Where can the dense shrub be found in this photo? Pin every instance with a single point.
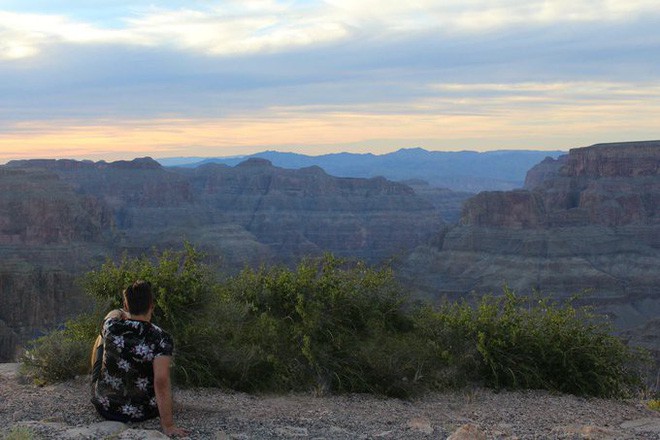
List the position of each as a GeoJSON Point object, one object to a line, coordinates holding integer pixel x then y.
{"type": "Point", "coordinates": [328, 325]}
{"type": "Point", "coordinates": [529, 342]}
{"type": "Point", "coordinates": [515, 341]}
{"type": "Point", "coordinates": [55, 357]}
{"type": "Point", "coordinates": [333, 326]}
{"type": "Point", "coordinates": [61, 354]}
{"type": "Point", "coordinates": [183, 288]}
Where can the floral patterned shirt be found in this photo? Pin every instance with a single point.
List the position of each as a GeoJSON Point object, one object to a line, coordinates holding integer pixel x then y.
{"type": "Point", "coordinates": [126, 384]}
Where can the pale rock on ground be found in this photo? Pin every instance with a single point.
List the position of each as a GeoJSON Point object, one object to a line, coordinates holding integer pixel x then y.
{"type": "Point", "coordinates": [63, 411]}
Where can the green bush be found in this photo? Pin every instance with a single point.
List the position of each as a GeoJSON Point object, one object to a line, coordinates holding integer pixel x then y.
{"type": "Point", "coordinates": [526, 342]}
{"type": "Point", "coordinates": [183, 288]}
{"type": "Point", "coordinates": [63, 353]}
{"type": "Point", "coordinates": [55, 357]}
{"type": "Point", "coordinates": [331, 326]}
{"type": "Point", "coordinates": [316, 327]}
{"type": "Point", "coordinates": [447, 332]}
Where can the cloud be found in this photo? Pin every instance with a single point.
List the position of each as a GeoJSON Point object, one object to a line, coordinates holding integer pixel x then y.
{"type": "Point", "coordinates": [238, 28]}
{"type": "Point", "coordinates": [240, 74]}
{"type": "Point", "coordinates": [229, 28]}
{"type": "Point", "coordinates": [452, 116]}
{"type": "Point", "coordinates": [25, 35]}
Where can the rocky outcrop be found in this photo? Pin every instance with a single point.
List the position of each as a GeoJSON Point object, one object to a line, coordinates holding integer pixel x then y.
{"type": "Point", "coordinates": [307, 211]}
{"type": "Point", "coordinates": [607, 184]}
{"type": "Point", "coordinates": [60, 218]}
{"type": "Point", "coordinates": [48, 234]}
{"type": "Point", "coordinates": [468, 432]}
{"type": "Point", "coordinates": [448, 203]}
{"type": "Point", "coordinates": [38, 208]}
{"type": "Point", "coordinates": [544, 171]}
{"type": "Point", "coordinates": [588, 223]}
{"type": "Point", "coordinates": [629, 159]}
{"type": "Point", "coordinates": [514, 209]}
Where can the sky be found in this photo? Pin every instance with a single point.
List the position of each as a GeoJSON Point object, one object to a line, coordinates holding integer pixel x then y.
{"type": "Point", "coordinates": [115, 79]}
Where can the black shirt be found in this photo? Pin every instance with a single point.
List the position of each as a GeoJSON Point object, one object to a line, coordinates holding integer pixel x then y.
{"type": "Point", "coordinates": [125, 387]}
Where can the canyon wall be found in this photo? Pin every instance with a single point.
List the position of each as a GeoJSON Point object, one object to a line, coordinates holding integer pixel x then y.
{"type": "Point", "coordinates": [586, 223]}
{"type": "Point", "coordinates": [61, 218]}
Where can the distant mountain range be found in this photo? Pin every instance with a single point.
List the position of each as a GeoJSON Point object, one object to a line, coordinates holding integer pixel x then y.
{"type": "Point", "coordinates": [467, 171]}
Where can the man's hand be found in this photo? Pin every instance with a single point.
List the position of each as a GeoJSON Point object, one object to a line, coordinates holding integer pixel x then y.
{"type": "Point", "coordinates": [163, 389]}
{"type": "Point", "coordinates": [174, 431]}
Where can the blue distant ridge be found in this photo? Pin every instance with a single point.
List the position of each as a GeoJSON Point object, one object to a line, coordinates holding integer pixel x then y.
{"type": "Point", "coordinates": [458, 170]}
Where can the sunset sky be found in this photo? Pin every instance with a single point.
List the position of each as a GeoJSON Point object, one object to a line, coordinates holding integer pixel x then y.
{"type": "Point", "coordinates": [115, 79]}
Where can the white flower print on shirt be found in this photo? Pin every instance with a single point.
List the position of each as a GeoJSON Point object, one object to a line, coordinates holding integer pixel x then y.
{"type": "Point", "coordinates": [131, 411]}
{"type": "Point", "coordinates": [113, 382]}
{"type": "Point", "coordinates": [144, 351]}
{"type": "Point", "coordinates": [142, 383]}
{"type": "Point", "coordinates": [124, 365]}
{"type": "Point", "coordinates": [106, 325]}
{"type": "Point", "coordinates": [104, 401]}
{"type": "Point", "coordinates": [126, 380]}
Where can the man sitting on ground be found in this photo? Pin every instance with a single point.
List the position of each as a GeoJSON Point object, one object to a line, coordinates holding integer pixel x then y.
{"type": "Point", "coordinates": [131, 364]}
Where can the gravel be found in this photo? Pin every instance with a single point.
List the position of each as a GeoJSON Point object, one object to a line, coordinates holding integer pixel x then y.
{"type": "Point", "coordinates": [53, 410]}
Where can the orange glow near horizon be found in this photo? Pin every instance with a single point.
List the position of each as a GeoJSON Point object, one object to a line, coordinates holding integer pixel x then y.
{"type": "Point", "coordinates": [320, 133]}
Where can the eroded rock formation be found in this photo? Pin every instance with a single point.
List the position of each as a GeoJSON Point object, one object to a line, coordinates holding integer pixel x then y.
{"type": "Point", "coordinates": [60, 218]}
{"type": "Point", "coordinates": [586, 222]}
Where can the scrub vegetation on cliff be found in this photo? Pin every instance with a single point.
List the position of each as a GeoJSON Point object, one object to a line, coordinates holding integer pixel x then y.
{"type": "Point", "coordinates": [331, 326]}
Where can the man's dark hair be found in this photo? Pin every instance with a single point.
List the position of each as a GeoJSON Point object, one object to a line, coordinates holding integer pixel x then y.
{"type": "Point", "coordinates": [138, 297]}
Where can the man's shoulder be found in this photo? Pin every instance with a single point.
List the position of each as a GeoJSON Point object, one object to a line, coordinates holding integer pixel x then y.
{"type": "Point", "coordinates": [111, 322]}
{"type": "Point", "coordinates": [122, 326]}
{"type": "Point", "coordinates": [159, 331]}
{"type": "Point", "coordinates": [162, 340]}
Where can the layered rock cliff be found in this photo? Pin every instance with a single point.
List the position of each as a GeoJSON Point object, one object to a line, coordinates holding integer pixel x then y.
{"type": "Point", "coordinates": [587, 222]}
{"type": "Point", "coordinates": [297, 212]}
{"type": "Point", "coordinates": [60, 218]}
{"type": "Point", "coordinates": [47, 234]}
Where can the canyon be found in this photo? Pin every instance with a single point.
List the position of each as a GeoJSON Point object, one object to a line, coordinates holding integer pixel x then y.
{"type": "Point", "coordinates": [586, 223]}
{"type": "Point", "coordinates": [61, 218]}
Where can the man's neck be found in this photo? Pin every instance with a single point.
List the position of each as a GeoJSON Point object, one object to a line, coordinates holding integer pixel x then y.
{"type": "Point", "coordinates": [146, 317]}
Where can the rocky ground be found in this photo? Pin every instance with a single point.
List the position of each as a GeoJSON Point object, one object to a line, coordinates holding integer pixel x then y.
{"type": "Point", "coordinates": [64, 411]}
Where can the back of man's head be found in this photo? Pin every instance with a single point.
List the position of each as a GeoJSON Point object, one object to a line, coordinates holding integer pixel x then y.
{"type": "Point", "coordinates": [138, 297]}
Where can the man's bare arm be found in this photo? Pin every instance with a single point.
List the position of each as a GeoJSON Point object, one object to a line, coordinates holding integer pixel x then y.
{"type": "Point", "coordinates": [116, 314]}
{"type": "Point", "coordinates": [163, 389]}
